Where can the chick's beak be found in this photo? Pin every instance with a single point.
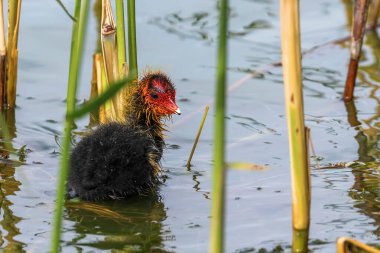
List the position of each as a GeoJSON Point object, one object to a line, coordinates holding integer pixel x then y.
{"type": "Point", "coordinates": [174, 107]}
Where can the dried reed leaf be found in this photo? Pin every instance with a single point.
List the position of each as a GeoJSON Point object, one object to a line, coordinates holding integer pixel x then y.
{"type": "Point", "coordinates": [110, 56]}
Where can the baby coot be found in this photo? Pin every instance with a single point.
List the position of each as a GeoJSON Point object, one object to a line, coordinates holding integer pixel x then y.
{"type": "Point", "coordinates": [120, 159]}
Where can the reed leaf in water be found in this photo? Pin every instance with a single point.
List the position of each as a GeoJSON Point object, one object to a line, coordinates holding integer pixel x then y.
{"type": "Point", "coordinates": [291, 61]}
{"type": "Point", "coordinates": [218, 189]}
{"type": "Point", "coordinates": [14, 8]}
{"type": "Point", "coordinates": [80, 14]}
{"type": "Point", "coordinates": [132, 46]}
{"type": "Point", "coordinates": [3, 53]}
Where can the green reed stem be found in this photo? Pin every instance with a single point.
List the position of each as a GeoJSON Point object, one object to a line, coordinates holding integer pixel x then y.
{"type": "Point", "coordinates": [77, 39]}
{"type": "Point", "coordinates": [218, 192]}
{"type": "Point", "coordinates": [132, 46]}
{"type": "Point", "coordinates": [120, 35]}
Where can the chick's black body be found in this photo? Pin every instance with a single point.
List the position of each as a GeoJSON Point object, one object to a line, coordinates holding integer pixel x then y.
{"type": "Point", "coordinates": [121, 159]}
{"type": "Point", "coordinates": [114, 161]}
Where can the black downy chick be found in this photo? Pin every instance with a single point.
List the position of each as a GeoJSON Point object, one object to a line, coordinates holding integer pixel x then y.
{"type": "Point", "coordinates": [118, 160]}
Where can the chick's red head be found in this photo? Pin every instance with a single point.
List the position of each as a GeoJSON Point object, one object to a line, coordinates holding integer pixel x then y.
{"type": "Point", "coordinates": [159, 93]}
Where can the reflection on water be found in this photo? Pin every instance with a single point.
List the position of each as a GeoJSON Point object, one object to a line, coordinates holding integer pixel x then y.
{"type": "Point", "coordinates": [10, 160]}
{"type": "Point", "coordinates": [131, 225]}
{"type": "Point", "coordinates": [365, 190]}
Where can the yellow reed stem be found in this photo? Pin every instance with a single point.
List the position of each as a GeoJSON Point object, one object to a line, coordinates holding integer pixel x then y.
{"type": "Point", "coordinates": [197, 137]}
{"type": "Point", "coordinates": [94, 116]}
{"type": "Point", "coordinates": [14, 8]}
{"type": "Point", "coordinates": [99, 82]}
{"type": "Point", "coordinates": [3, 53]}
{"type": "Point", "coordinates": [291, 61]}
{"type": "Point", "coordinates": [109, 107]}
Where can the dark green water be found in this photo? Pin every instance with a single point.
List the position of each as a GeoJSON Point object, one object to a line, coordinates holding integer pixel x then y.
{"type": "Point", "coordinates": [179, 37]}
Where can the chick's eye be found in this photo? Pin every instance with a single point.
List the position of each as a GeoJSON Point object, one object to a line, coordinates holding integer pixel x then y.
{"type": "Point", "coordinates": [154, 95]}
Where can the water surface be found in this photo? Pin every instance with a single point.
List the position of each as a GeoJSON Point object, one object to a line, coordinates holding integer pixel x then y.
{"type": "Point", "coordinates": [179, 37]}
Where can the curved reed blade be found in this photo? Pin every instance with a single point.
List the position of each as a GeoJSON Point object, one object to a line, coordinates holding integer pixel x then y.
{"type": "Point", "coordinates": [346, 245]}
{"type": "Point", "coordinates": [14, 8]}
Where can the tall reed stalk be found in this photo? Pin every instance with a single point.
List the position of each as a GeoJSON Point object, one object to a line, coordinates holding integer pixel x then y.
{"type": "Point", "coordinates": [358, 31]}
{"type": "Point", "coordinates": [14, 8]}
{"type": "Point", "coordinates": [291, 61]}
{"type": "Point", "coordinates": [3, 53]}
{"type": "Point", "coordinates": [78, 31]}
{"type": "Point", "coordinates": [218, 189]}
{"type": "Point", "coordinates": [132, 46]}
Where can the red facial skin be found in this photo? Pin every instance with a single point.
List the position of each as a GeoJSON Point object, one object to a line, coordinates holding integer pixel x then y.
{"type": "Point", "coordinates": [161, 97]}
